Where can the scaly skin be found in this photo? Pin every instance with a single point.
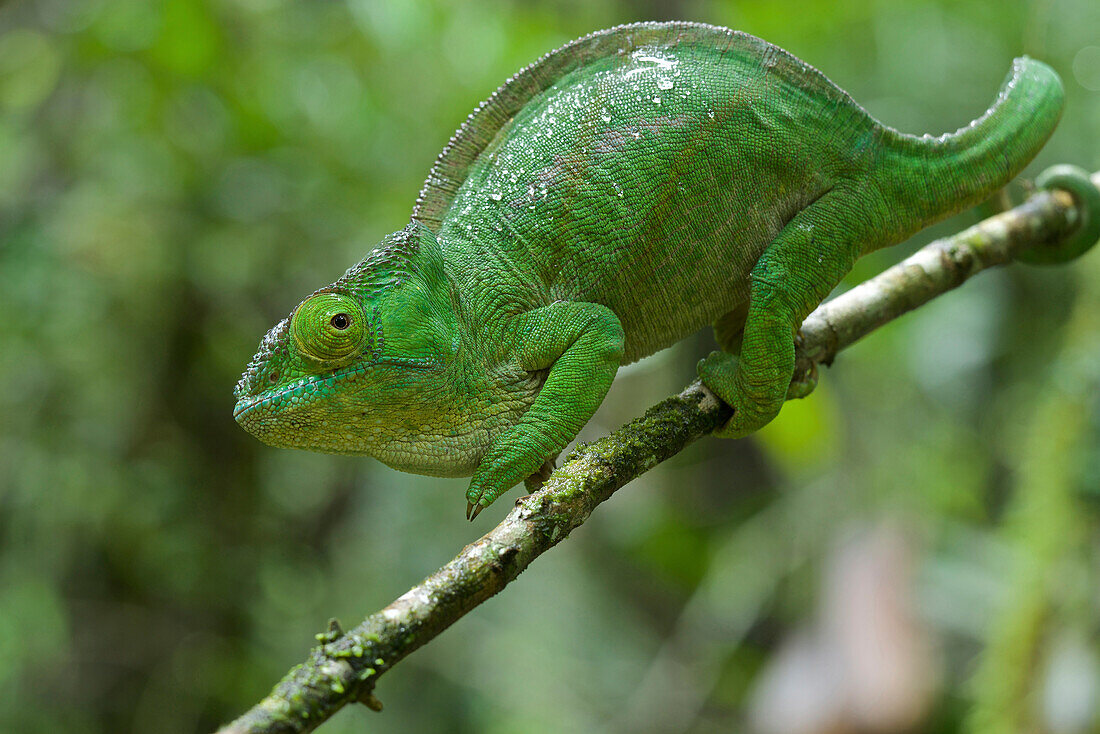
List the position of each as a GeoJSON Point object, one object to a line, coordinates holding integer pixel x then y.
{"type": "Point", "coordinates": [606, 202]}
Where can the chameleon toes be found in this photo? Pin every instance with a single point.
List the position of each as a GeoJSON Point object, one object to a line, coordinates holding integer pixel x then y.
{"type": "Point", "coordinates": [805, 373]}
{"type": "Point", "coordinates": [718, 372]}
{"type": "Point", "coordinates": [804, 382]}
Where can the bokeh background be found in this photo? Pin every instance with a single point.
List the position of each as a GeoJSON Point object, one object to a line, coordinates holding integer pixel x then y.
{"type": "Point", "coordinates": [915, 547]}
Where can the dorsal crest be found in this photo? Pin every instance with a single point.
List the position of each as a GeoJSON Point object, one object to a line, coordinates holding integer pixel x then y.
{"type": "Point", "coordinates": [479, 129]}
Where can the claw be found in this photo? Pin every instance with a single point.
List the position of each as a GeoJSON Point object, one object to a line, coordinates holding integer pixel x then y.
{"type": "Point", "coordinates": [469, 510]}
{"type": "Point", "coordinates": [476, 511]}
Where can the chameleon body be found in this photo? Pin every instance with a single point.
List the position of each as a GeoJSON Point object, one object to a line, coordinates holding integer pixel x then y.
{"type": "Point", "coordinates": [607, 201]}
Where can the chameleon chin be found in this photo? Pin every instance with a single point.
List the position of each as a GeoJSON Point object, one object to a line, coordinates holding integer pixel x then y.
{"type": "Point", "coordinates": [607, 201]}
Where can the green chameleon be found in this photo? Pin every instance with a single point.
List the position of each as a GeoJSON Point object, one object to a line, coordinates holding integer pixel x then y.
{"type": "Point", "coordinates": [607, 201]}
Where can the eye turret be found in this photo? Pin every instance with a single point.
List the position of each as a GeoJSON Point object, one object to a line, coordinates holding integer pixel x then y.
{"type": "Point", "coordinates": [330, 329]}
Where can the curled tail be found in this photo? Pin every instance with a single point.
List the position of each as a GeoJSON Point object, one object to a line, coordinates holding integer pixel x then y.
{"type": "Point", "coordinates": [928, 178]}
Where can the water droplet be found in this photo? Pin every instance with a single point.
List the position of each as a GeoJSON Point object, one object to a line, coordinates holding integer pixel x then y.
{"type": "Point", "coordinates": [618, 189]}
{"type": "Point", "coordinates": [606, 116]}
{"type": "Point", "coordinates": [710, 114]}
{"type": "Point", "coordinates": [496, 196]}
{"type": "Point", "coordinates": [656, 100]}
{"type": "Point", "coordinates": [663, 83]}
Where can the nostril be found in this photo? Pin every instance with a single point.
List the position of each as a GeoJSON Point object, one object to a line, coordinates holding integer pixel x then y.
{"type": "Point", "coordinates": [273, 377]}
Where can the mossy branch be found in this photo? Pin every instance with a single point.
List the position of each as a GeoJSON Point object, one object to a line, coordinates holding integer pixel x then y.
{"type": "Point", "coordinates": [346, 666]}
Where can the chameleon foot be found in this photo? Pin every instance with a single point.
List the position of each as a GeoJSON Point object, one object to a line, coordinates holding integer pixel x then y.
{"type": "Point", "coordinates": [532, 483]}
{"type": "Point", "coordinates": [718, 371]}
{"type": "Point", "coordinates": [805, 372]}
{"type": "Point", "coordinates": [803, 383]}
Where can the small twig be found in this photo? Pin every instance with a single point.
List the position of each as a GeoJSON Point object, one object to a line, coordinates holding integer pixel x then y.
{"type": "Point", "coordinates": [346, 666]}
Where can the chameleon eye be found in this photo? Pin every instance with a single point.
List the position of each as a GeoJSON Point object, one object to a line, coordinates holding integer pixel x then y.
{"type": "Point", "coordinates": [329, 329]}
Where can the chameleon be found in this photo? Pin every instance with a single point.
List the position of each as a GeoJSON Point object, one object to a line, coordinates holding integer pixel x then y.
{"type": "Point", "coordinates": [610, 199]}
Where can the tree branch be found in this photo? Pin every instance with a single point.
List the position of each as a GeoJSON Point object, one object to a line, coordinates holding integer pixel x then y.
{"type": "Point", "coordinates": [346, 666]}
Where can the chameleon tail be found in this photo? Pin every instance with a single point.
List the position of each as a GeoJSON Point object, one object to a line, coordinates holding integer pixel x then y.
{"type": "Point", "coordinates": [929, 178]}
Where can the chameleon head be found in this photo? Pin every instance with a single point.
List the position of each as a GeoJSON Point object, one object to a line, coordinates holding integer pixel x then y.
{"type": "Point", "coordinates": [367, 366]}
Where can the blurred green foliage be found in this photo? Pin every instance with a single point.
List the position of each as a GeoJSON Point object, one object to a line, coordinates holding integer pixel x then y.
{"type": "Point", "coordinates": [176, 175]}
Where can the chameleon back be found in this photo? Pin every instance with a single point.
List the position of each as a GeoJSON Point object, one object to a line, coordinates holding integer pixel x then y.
{"type": "Point", "coordinates": [646, 168]}
{"type": "Point", "coordinates": [650, 178]}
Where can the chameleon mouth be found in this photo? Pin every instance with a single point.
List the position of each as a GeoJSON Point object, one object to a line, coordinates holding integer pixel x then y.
{"type": "Point", "coordinates": [248, 406]}
{"type": "Point", "coordinates": [300, 392]}
{"type": "Point", "coordinates": [244, 405]}
{"type": "Point", "coordinates": [303, 391]}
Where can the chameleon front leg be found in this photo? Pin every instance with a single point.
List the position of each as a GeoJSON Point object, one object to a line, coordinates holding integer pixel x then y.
{"type": "Point", "coordinates": [793, 275]}
{"type": "Point", "coordinates": [582, 345]}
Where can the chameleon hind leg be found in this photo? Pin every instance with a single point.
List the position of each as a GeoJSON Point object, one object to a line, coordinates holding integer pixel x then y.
{"type": "Point", "coordinates": [794, 274]}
